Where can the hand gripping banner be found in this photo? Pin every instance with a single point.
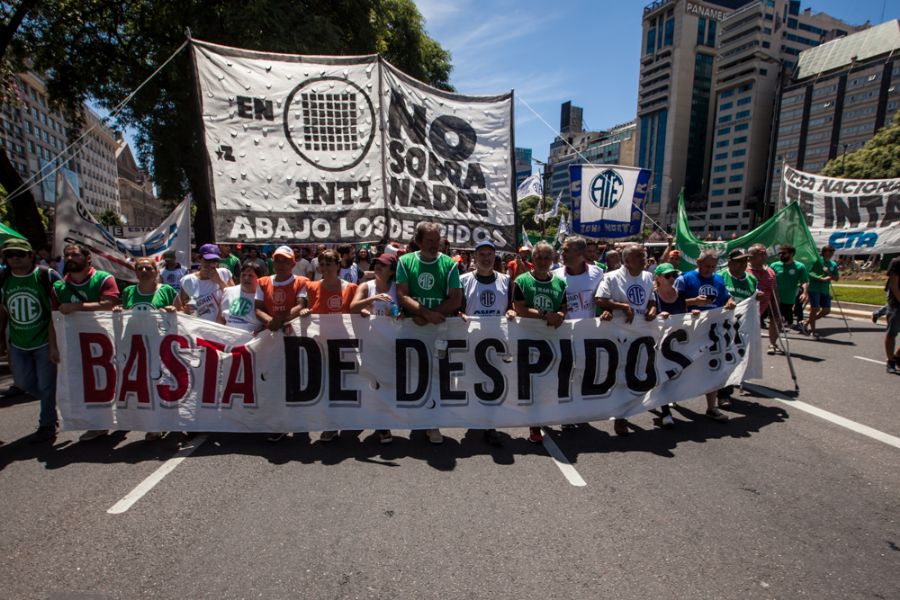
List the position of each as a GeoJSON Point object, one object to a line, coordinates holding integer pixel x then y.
{"type": "Point", "coordinates": [154, 371]}
{"type": "Point", "coordinates": [316, 148]}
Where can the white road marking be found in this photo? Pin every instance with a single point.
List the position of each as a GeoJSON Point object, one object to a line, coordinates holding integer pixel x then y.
{"type": "Point", "coordinates": [155, 477]}
{"type": "Point", "coordinates": [871, 360]}
{"type": "Point", "coordinates": [865, 430]}
{"type": "Point", "coordinates": [562, 462]}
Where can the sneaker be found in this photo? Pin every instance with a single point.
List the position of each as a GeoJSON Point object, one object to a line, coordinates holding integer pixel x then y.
{"type": "Point", "coordinates": [152, 436]}
{"type": "Point", "coordinates": [772, 349]}
{"type": "Point", "coordinates": [44, 433]}
{"type": "Point", "coordinates": [92, 434]}
{"type": "Point", "coordinates": [667, 421]}
{"type": "Point", "coordinates": [620, 426]}
{"type": "Point", "coordinates": [384, 436]}
{"type": "Point", "coordinates": [434, 436]}
{"type": "Point", "coordinates": [276, 437]}
{"type": "Point", "coordinates": [492, 437]}
{"type": "Point", "coordinates": [892, 368]}
{"type": "Point", "coordinates": [724, 402]}
{"type": "Point", "coordinates": [716, 415]}
{"type": "Point", "coordinates": [874, 316]}
{"type": "Point", "coordinates": [535, 436]}
{"type": "Point", "coordinates": [327, 436]}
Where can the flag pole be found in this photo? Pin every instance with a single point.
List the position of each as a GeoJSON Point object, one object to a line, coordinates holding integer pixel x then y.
{"type": "Point", "coordinates": [841, 308]}
{"type": "Point", "coordinates": [784, 342]}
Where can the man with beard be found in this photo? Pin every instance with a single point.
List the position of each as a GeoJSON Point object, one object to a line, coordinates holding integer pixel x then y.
{"type": "Point", "coordinates": [84, 288]}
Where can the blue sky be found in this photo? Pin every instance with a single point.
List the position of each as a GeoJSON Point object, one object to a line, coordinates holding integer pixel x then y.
{"type": "Point", "coordinates": [586, 51]}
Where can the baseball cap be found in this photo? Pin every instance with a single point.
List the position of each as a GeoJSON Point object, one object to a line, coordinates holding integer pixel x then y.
{"type": "Point", "coordinates": [284, 251]}
{"type": "Point", "coordinates": [738, 254]}
{"type": "Point", "coordinates": [209, 252]}
{"type": "Point", "coordinates": [387, 259]}
{"type": "Point", "coordinates": [15, 243]}
{"type": "Point", "coordinates": [665, 269]}
{"type": "Point", "coordinates": [524, 249]}
{"type": "Point", "coordinates": [484, 243]}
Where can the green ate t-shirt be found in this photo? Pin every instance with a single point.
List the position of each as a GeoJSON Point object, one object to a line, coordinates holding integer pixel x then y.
{"type": "Point", "coordinates": [429, 281]}
{"type": "Point", "coordinates": [28, 308]}
{"type": "Point", "coordinates": [823, 269]}
{"type": "Point", "coordinates": [788, 278]}
{"type": "Point", "coordinates": [547, 296]}
{"type": "Point", "coordinates": [133, 299]}
{"type": "Point", "coordinates": [89, 289]}
{"type": "Point", "coordinates": [740, 289]}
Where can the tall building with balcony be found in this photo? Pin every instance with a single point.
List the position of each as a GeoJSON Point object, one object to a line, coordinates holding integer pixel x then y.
{"type": "Point", "coordinates": [675, 98]}
{"type": "Point", "coordinates": [758, 46]}
{"type": "Point", "coordinates": [137, 201]}
{"type": "Point", "coordinates": [839, 95]}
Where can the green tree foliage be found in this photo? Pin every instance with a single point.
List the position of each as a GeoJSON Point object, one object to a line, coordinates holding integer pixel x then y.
{"type": "Point", "coordinates": [879, 158]}
{"type": "Point", "coordinates": [527, 209]}
{"type": "Point", "coordinates": [109, 218]}
{"type": "Point", "coordinates": [6, 217]}
{"type": "Point", "coordinates": [104, 49]}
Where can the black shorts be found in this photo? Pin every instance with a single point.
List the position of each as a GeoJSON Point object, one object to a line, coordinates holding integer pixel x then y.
{"type": "Point", "coordinates": [787, 312]}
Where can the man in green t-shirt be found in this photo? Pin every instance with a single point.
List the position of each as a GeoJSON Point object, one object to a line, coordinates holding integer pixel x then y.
{"type": "Point", "coordinates": [84, 289]}
{"type": "Point", "coordinates": [790, 276]}
{"type": "Point", "coordinates": [539, 294]}
{"type": "Point", "coordinates": [230, 261]}
{"type": "Point", "coordinates": [741, 284]}
{"type": "Point", "coordinates": [428, 287]}
{"type": "Point", "coordinates": [25, 311]}
{"type": "Point", "coordinates": [821, 274]}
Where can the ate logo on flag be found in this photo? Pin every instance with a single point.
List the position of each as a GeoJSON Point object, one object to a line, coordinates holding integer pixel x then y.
{"type": "Point", "coordinates": [606, 189]}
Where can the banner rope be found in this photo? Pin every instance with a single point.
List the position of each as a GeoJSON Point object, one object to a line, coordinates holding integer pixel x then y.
{"type": "Point", "coordinates": [583, 157]}
{"type": "Point", "coordinates": [78, 142]}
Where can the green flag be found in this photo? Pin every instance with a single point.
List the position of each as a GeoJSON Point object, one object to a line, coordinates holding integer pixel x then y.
{"type": "Point", "coordinates": [787, 226]}
{"type": "Point", "coordinates": [7, 232]}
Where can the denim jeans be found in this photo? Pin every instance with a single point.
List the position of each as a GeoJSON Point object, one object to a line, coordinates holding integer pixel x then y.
{"type": "Point", "coordinates": [34, 373]}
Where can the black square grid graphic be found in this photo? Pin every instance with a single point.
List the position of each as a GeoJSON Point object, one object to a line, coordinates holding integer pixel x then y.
{"type": "Point", "coordinates": [329, 121]}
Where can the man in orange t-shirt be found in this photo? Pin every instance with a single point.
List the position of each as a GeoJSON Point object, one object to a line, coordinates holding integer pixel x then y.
{"type": "Point", "coordinates": [279, 297]}
{"type": "Point", "coordinates": [519, 265]}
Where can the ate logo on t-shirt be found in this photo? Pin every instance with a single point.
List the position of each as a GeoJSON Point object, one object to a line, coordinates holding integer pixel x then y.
{"type": "Point", "coordinates": [487, 298]}
{"type": "Point", "coordinates": [543, 302]}
{"type": "Point", "coordinates": [710, 292]}
{"type": "Point", "coordinates": [426, 281]}
{"type": "Point", "coordinates": [334, 303]}
{"type": "Point", "coordinates": [24, 307]}
{"type": "Point", "coordinates": [278, 296]}
{"type": "Point", "coordinates": [792, 272]}
{"type": "Point", "coordinates": [636, 295]}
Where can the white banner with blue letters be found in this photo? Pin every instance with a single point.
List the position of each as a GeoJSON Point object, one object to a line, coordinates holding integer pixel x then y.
{"type": "Point", "coordinates": [607, 199]}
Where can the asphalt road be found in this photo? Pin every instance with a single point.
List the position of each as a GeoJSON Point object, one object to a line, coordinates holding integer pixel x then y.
{"type": "Point", "coordinates": [777, 503]}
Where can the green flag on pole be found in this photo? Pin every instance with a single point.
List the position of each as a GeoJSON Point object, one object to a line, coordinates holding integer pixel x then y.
{"type": "Point", "coordinates": [7, 232]}
{"type": "Point", "coordinates": [787, 226]}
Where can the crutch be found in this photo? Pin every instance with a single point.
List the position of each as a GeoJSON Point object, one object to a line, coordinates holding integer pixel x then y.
{"type": "Point", "coordinates": [784, 342]}
{"type": "Point", "coordinates": [840, 308]}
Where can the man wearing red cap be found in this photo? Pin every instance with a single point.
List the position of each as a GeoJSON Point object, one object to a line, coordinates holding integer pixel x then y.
{"type": "Point", "coordinates": [278, 297]}
{"type": "Point", "coordinates": [519, 264]}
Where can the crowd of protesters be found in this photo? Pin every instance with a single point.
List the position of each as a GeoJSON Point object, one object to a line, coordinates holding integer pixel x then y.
{"type": "Point", "coordinates": [423, 281]}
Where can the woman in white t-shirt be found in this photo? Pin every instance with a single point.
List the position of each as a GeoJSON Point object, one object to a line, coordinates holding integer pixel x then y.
{"type": "Point", "coordinates": [238, 301]}
{"type": "Point", "coordinates": [378, 298]}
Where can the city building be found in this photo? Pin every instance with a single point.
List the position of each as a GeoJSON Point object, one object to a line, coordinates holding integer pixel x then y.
{"type": "Point", "coordinates": [523, 165]}
{"type": "Point", "coordinates": [35, 137]}
{"type": "Point", "coordinates": [615, 146]}
{"type": "Point", "coordinates": [138, 204]}
{"type": "Point", "coordinates": [840, 94]}
{"type": "Point", "coordinates": [675, 92]}
{"type": "Point", "coordinates": [758, 46]}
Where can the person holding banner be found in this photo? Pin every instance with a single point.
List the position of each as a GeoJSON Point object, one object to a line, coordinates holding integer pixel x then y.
{"type": "Point", "coordinates": [25, 304]}
{"type": "Point", "coordinates": [280, 297]}
{"type": "Point", "coordinates": [539, 294]}
{"type": "Point", "coordinates": [201, 292]}
{"type": "Point", "coordinates": [239, 301]}
{"type": "Point", "coordinates": [705, 289]}
{"type": "Point", "coordinates": [378, 297]}
{"type": "Point", "coordinates": [823, 272]}
{"type": "Point", "coordinates": [428, 286]}
{"type": "Point", "coordinates": [630, 290]}
{"type": "Point", "coordinates": [329, 295]}
{"type": "Point", "coordinates": [148, 293]}
{"type": "Point", "coordinates": [741, 285]}
{"type": "Point", "coordinates": [84, 289]}
{"type": "Point", "coordinates": [791, 281]}
{"type": "Point", "coordinates": [486, 294]}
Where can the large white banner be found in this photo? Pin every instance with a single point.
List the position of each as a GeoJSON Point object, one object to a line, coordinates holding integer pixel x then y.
{"type": "Point", "coordinates": [313, 148]}
{"type": "Point", "coordinates": [148, 371]}
{"type": "Point", "coordinates": [856, 216]}
{"type": "Point", "coordinates": [76, 225]}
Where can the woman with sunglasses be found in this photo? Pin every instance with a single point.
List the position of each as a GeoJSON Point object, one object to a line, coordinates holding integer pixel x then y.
{"type": "Point", "coordinates": [669, 301]}
{"type": "Point", "coordinates": [148, 294]}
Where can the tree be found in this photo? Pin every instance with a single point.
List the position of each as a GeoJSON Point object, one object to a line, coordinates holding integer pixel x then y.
{"type": "Point", "coordinates": [6, 218]}
{"type": "Point", "coordinates": [104, 49]}
{"type": "Point", "coordinates": [879, 158]}
{"type": "Point", "coordinates": [527, 209]}
{"type": "Point", "coordinates": [109, 218]}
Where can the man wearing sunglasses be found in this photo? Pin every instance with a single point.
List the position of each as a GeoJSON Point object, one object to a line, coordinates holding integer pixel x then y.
{"type": "Point", "coordinates": [25, 309]}
{"type": "Point", "coordinates": [84, 288]}
{"type": "Point", "coordinates": [790, 276]}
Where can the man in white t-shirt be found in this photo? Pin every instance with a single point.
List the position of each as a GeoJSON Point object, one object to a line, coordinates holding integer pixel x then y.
{"type": "Point", "coordinates": [630, 290]}
{"type": "Point", "coordinates": [314, 263]}
{"type": "Point", "coordinates": [303, 267]}
{"type": "Point", "coordinates": [201, 292]}
{"type": "Point", "coordinates": [172, 271]}
{"type": "Point", "coordinates": [582, 279]}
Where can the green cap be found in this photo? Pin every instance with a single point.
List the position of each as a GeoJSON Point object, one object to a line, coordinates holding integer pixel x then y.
{"type": "Point", "coordinates": [664, 269]}
{"type": "Point", "coordinates": [15, 243]}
